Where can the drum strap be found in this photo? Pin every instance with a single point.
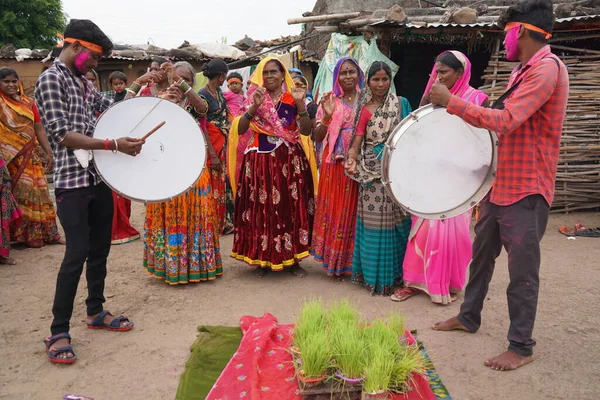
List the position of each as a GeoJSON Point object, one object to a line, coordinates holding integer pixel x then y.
{"type": "Point", "coordinates": [499, 104]}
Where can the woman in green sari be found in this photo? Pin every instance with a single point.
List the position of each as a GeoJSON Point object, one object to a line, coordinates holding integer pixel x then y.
{"type": "Point", "coordinates": [382, 227]}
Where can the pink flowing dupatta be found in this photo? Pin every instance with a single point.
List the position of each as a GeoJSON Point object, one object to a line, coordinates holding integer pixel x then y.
{"type": "Point", "coordinates": [461, 88]}
{"type": "Point", "coordinates": [333, 131]}
{"type": "Point", "coordinates": [439, 252]}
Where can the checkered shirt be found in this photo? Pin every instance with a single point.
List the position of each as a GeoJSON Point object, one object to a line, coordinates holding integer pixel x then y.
{"type": "Point", "coordinates": [110, 94]}
{"type": "Point", "coordinates": [65, 108]}
{"type": "Point", "coordinates": [529, 128]}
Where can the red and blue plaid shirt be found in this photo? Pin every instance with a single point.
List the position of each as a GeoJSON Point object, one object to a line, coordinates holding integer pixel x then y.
{"type": "Point", "coordinates": [529, 128]}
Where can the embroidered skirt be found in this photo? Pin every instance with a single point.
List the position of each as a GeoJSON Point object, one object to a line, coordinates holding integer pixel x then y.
{"type": "Point", "coordinates": [274, 208]}
{"type": "Point", "coordinates": [181, 241]}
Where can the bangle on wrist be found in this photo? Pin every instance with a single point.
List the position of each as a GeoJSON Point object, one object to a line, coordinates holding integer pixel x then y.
{"type": "Point", "coordinates": [325, 124]}
{"type": "Point", "coordinates": [135, 88]}
{"type": "Point", "coordinates": [183, 85]}
{"type": "Point", "coordinates": [116, 146]}
{"type": "Point", "coordinates": [248, 116]}
{"type": "Point", "coordinates": [106, 144]}
{"type": "Point", "coordinates": [302, 114]}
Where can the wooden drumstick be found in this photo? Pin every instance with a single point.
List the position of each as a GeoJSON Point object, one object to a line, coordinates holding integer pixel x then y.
{"type": "Point", "coordinates": [157, 127]}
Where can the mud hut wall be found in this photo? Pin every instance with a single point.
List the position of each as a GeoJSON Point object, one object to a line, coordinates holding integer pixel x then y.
{"type": "Point", "coordinates": [28, 70]}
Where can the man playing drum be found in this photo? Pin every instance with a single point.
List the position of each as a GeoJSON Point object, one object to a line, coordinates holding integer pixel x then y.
{"type": "Point", "coordinates": [69, 105]}
{"type": "Point", "coordinates": [528, 120]}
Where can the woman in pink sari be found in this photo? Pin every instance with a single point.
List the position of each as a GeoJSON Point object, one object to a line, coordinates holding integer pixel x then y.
{"type": "Point", "coordinates": [439, 252]}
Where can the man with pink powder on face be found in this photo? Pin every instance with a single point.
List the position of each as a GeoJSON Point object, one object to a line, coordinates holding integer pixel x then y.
{"type": "Point", "coordinates": [69, 104]}
{"type": "Point", "coordinates": [528, 119]}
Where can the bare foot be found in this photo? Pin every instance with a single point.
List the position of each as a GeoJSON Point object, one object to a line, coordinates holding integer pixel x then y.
{"type": "Point", "coordinates": [260, 272]}
{"type": "Point", "coordinates": [107, 320]}
{"type": "Point", "coordinates": [298, 271]}
{"type": "Point", "coordinates": [507, 361]}
{"type": "Point", "coordinates": [7, 261]}
{"type": "Point", "coordinates": [339, 279]}
{"type": "Point", "coordinates": [453, 324]}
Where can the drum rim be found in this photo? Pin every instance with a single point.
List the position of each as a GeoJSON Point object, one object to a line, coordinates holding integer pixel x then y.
{"type": "Point", "coordinates": [99, 172]}
{"type": "Point", "coordinates": [471, 202]}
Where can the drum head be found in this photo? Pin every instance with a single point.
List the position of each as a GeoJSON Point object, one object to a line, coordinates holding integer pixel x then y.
{"type": "Point", "coordinates": [170, 162]}
{"type": "Point", "coordinates": [436, 165]}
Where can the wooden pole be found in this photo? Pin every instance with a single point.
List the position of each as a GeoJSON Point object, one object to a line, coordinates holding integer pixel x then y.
{"type": "Point", "coordinates": [320, 18]}
{"type": "Point", "coordinates": [585, 51]}
{"type": "Point", "coordinates": [573, 148]}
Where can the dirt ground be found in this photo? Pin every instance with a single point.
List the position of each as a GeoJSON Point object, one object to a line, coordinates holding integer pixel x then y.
{"type": "Point", "coordinates": [146, 362]}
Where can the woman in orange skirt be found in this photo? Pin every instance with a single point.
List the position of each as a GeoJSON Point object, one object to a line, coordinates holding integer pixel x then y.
{"type": "Point", "coordinates": [335, 217]}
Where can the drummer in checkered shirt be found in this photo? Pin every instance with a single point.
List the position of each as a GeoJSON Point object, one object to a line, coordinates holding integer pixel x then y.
{"type": "Point", "coordinates": [529, 122]}
{"type": "Point", "coordinates": [68, 105]}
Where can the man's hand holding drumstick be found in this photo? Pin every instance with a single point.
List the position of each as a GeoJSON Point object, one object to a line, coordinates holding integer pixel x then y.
{"type": "Point", "coordinates": [133, 146]}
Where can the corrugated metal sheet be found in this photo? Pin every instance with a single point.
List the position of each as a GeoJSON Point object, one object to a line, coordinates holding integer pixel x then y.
{"type": "Point", "coordinates": [476, 24]}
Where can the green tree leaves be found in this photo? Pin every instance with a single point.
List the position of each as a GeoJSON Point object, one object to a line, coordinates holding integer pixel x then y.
{"type": "Point", "coordinates": [31, 23]}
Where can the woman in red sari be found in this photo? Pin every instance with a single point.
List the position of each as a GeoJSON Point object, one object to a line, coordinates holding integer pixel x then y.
{"type": "Point", "coordinates": [333, 235]}
{"type": "Point", "coordinates": [274, 198]}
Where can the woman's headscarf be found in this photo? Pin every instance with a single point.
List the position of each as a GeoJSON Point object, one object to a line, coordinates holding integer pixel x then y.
{"type": "Point", "coordinates": [265, 121]}
{"type": "Point", "coordinates": [23, 107]}
{"type": "Point", "coordinates": [461, 88]}
{"type": "Point", "coordinates": [337, 88]}
{"type": "Point", "coordinates": [337, 119]}
{"type": "Point", "coordinates": [383, 121]}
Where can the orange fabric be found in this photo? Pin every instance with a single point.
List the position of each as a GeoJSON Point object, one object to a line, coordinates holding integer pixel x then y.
{"type": "Point", "coordinates": [23, 108]}
{"type": "Point", "coordinates": [217, 138]}
{"type": "Point", "coordinates": [87, 45]}
{"type": "Point", "coordinates": [534, 28]}
{"type": "Point", "coordinates": [18, 147]}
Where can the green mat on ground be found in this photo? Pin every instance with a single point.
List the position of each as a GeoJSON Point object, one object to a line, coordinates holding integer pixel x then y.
{"type": "Point", "coordinates": [211, 352]}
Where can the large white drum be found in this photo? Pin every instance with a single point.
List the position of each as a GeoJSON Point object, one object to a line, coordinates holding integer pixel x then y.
{"type": "Point", "coordinates": [170, 162]}
{"type": "Point", "coordinates": [437, 166]}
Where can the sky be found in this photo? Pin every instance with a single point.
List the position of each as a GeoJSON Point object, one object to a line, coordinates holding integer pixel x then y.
{"type": "Point", "coordinates": [167, 23]}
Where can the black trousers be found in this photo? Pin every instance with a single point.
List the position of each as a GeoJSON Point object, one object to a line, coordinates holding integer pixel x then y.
{"type": "Point", "coordinates": [86, 216]}
{"type": "Point", "coordinates": [519, 228]}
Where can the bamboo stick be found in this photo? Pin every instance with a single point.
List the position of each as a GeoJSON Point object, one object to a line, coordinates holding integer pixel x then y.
{"type": "Point", "coordinates": [322, 18]}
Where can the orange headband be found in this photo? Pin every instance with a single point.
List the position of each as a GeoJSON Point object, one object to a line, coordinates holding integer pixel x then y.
{"type": "Point", "coordinates": [87, 45]}
{"type": "Point", "coordinates": [234, 79]}
{"type": "Point", "coordinates": [534, 28]}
